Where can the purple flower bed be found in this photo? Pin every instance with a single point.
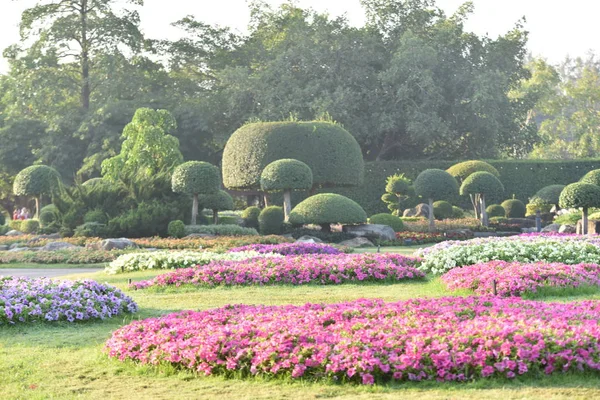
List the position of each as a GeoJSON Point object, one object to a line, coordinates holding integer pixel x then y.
{"type": "Point", "coordinates": [444, 339]}
{"type": "Point", "coordinates": [294, 270]}
{"type": "Point", "coordinates": [286, 249]}
{"type": "Point", "coordinates": [34, 300]}
{"type": "Point", "coordinates": [515, 278]}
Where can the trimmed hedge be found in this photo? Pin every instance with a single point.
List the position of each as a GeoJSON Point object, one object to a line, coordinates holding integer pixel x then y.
{"type": "Point", "coordinates": [514, 208]}
{"type": "Point", "coordinates": [495, 210]}
{"type": "Point", "coordinates": [286, 174]}
{"type": "Point", "coordinates": [176, 229]}
{"type": "Point", "coordinates": [250, 217]}
{"type": "Point", "coordinates": [328, 208]}
{"type": "Point", "coordinates": [220, 230]}
{"type": "Point", "coordinates": [388, 219]}
{"type": "Point", "coordinates": [442, 209]}
{"type": "Point", "coordinates": [270, 220]}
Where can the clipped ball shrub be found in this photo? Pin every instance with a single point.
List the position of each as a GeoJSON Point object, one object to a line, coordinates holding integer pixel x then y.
{"type": "Point", "coordinates": [49, 215]}
{"type": "Point", "coordinates": [435, 184]}
{"type": "Point", "coordinates": [97, 216]}
{"type": "Point", "coordinates": [270, 220]}
{"type": "Point", "coordinates": [176, 229]}
{"type": "Point", "coordinates": [30, 226]}
{"type": "Point", "coordinates": [331, 152]}
{"type": "Point", "coordinates": [548, 195]}
{"type": "Point", "coordinates": [514, 208]}
{"type": "Point", "coordinates": [495, 210]}
{"type": "Point", "coordinates": [328, 208]}
{"type": "Point", "coordinates": [397, 184]}
{"type": "Point", "coordinates": [457, 212]}
{"type": "Point", "coordinates": [228, 220]}
{"type": "Point", "coordinates": [592, 177]}
{"type": "Point", "coordinates": [580, 195]}
{"type": "Point", "coordinates": [482, 183]}
{"type": "Point", "coordinates": [286, 174]}
{"type": "Point", "coordinates": [35, 181]}
{"type": "Point", "coordinates": [442, 209]}
{"type": "Point", "coordinates": [387, 219]}
{"type": "Point", "coordinates": [250, 217]}
{"type": "Point", "coordinates": [220, 201]}
{"type": "Point", "coordinates": [531, 208]}
{"type": "Point", "coordinates": [463, 170]}
{"type": "Point", "coordinates": [194, 177]}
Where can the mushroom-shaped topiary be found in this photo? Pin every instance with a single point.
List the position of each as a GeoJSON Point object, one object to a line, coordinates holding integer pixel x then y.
{"type": "Point", "coordinates": [442, 209]}
{"type": "Point", "coordinates": [548, 195]}
{"type": "Point", "coordinates": [195, 178]}
{"type": "Point", "coordinates": [435, 184]}
{"type": "Point", "coordinates": [580, 195]}
{"type": "Point", "coordinates": [482, 184]}
{"type": "Point", "coordinates": [514, 208]}
{"type": "Point", "coordinates": [328, 208]}
{"type": "Point", "coordinates": [592, 177]}
{"type": "Point", "coordinates": [463, 170]}
{"type": "Point", "coordinates": [36, 181]}
{"type": "Point", "coordinates": [398, 189]}
{"type": "Point", "coordinates": [287, 175]}
{"type": "Point", "coordinates": [216, 202]}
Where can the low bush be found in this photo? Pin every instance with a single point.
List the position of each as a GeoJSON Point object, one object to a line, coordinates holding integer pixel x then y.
{"type": "Point", "coordinates": [387, 219]}
{"type": "Point", "coordinates": [270, 220]}
{"type": "Point", "coordinates": [15, 224]}
{"type": "Point", "coordinates": [250, 217]}
{"type": "Point", "coordinates": [568, 218]}
{"type": "Point", "coordinates": [531, 208]}
{"type": "Point", "coordinates": [495, 211]}
{"type": "Point", "coordinates": [4, 229]}
{"type": "Point", "coordinates": [457, 212]}
{"type": "Point", "coordinates": [30, 226]}
{"type": "Point", "coordinates": [92, 229]}
{"type": "Point", "coordinates": [220, 230]}
{"type": "Point", "coordinates": [2, 218]}
{"type": "Point", "coordinates": [97, 216]}
{"type": "Point", "coordinates": [442, 209]}
{"type": "Point", "coordinates": [176, 229]}
{"type": "Point", "coordinates": [514, 208]}
{"type": "Point", "coordinates": [228, 220]}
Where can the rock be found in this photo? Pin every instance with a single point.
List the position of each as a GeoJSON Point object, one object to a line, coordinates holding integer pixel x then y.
{"type": "Point", "coordinates": [382, 232]}
{"type": "Point", "coordinates": [15, 245]}
{"type": "Point", "coordinates": [484, 234]}
{"type": "Point", "coordinates": [528, 230]}
{"type": "Point", "coordinates": [421, 210]}
{"type": "Point", "coordinates": [15, 249]}
{"type": "Point", "coordinates": [357, 242]}
{"type": "Point", "coordinates": [37, 238]}
{"type": "Point", "coordinates": [200, 235]}
{"type": "Point", "coordinates": [551, 228]}
{"type": "Point", "coordinates": [3, 247]}
{"type": "Point", "coordinates": [113, 244]}
{"type": "Point", "coordinates": [567, 229]}
{"type": "Point", "coordinates": [308, 239]}
{"type": "Point", "coordinates": [14, 233]}
{"type": "Point", "coordinates": [52, 246]}
{"type": "Point", "coordinates": [593, 227]}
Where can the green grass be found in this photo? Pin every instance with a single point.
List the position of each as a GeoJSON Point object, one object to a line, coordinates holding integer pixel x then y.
{"type": "Point", "coordinates": [49, 266]}
{"type": "Point", "coordinates": [66, 361]}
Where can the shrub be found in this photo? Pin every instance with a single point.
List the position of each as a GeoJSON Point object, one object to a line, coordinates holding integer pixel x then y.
{"type": "Point", "coordinates": [495, 210]}
{"type": "Point", "coordinates": [15, 224]}
{"type": "Point", "coordinates": [219, 201]}
{"type": "Point", "coordinates": [328, 208]}
{"type": "Point", "coordinates": [442, 209]}
{"type": "Point", "coordinates": [150, 218]}
{"type": "Point", "coordinates": [250, 217]}
{"type": "Point", "coordinates": [463, 170]}
{"type": "Point", "coordinates": [457, 212]}
{"type": "Point", "coordinates": [568, 218]}
{"type": "Point", "coordinates": [483, 183]}
{"type": "Point", "coordinates": [228, 220]}
{"type": "Point", "coordinates": [220, 230]}
{"type": "Point", "coordinates": [548, 195]}
{"type": "Point", "coordinates": [580, 195]}
{"type": "Point", "coordinates": [514, 208]}
{"type": "Point", "coordinates": [49, 215]}
{"type": "Point", "coordinates": [4, 230]}
{"type": "Point", "coordinates": [435, 184]}
{"type": "Point", "coordinates": [30, 226]}
{"type": "Point", "coordinates": [36, 181]}
{"type": "Point", "coordinates": [270, 220]}
{"type": "Point", "coordinates": [387, 219]}
{"type": "Point", "coordinates": [531, 208]}
{"type": "Point", "coordinates": [195, 178]}
{"type": "Point", "coordinates": [592, 177]}
{"type": "Point", "coordinates": [286, 174]}
{"type": "Point", "coordinates": [176, 229]}
{"type": "Point", "coordinates": [499, 219]}
{"type": "Point", "coordinates": [92, 229]}
{"type": "Point", "coordinates": [333, 155]}
{"type": "Point", "coordinates": [97, 216]}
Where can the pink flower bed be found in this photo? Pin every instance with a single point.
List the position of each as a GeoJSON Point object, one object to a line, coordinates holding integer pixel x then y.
{"type": "Point", "coordinates": [286, 249]}
{"type": "Point", "coordinates": [294, 270]}
{"type": "Point", "coordinates": [446, 339]}
{"type": "Point", "coordinates": [515, 278]}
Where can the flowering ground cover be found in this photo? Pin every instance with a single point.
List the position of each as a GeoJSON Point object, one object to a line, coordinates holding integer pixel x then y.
{"type": "Point", "coordinates": [294, 270]}
{"type": "Point", "coordinates": [34, 300]}
{"type": "Point", "coordinates": [515, 278]}
{"type": "Point", "coordinates": [444, 339]}
{"type": "Point", "coordinates": [217, 244]}
{"type": "Point", "coordinates": [175, 259]}
{"type": "Point", "coordinates": [67, 256]}
{"type": "Point", "coordinates": [290, 248]}
{"type": "Point", "coordinates": [445, 256]}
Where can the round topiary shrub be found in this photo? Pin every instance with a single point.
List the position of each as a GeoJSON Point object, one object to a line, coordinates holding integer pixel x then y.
{"type": "Point", "coordinates": [286, 175]}
{"type": "Point", "coordinates": [270, 220]}
{"type": "Point", "coordinates": [463, 170]}
{"type": "Point", "coordinates": [30, 226]}
{"type": "Point", "coordinates": [176, 229]}
{"type": "Point", "coordinates": [435, 184]}
{"type": "Point", "coordinates": [219, 201]}
{"type": "Point", "coordinates": [548, 195]}
{"type": "Point", "coordinates": [592, 177]}
{"type": "Point", "coordinates": [333, 155]}
{"type": "Point", "coordinates": [387, 219]}
{"type": "Point", "coordinates": [398, 184]}
{"type": "Point", "coordinates": [36, 181]}
{"type": "Point", "coordinates": [495, 210]}
{"type": "Point", "coordinates": [442, 209]}
{"type": "Point", "coordinates": [457, 212]}
{"type": "Point", "coordinates": [250, 217]}
{"type": "Point", "coordinates": [328, 208]}
{"type": "Point", "coordinates": [97, 216]}
{"type": "Point", "coordinates": [195, 178]}
{"type": "Point", "coordinates": [514, 208]}
{"type": "Point", "coordinates": [580, 195]}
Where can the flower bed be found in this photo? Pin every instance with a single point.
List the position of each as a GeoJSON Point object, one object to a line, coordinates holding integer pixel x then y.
{"type": "Point", "coordinates": [286, 249]}
{"type": "Point", "coordinates": [406, 238]}
{"type": "Point", "coordinates": [514, 278]}
{"type": "Point", "coordinates": [222, 243]}
{"type": "Point", "coordinates": [34, 300]}
{"type": "Point", "coordinates": [294, 270]}
{"type": "Point", "coordinates": [68, 256]}
{"type": "Point", "coordinates": [444, 339]}
{"type": "Point", "coordinates": [175, 259]}
{"type": "Point", "coordinates": [445, 256]}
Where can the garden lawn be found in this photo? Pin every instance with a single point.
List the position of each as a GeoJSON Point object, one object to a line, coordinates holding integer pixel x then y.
{"type": "Point", "coordinates": [67, 360]}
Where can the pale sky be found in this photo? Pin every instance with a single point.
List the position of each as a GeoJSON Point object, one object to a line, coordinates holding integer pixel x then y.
{"type": "Point", "coordinates": [557, 27]}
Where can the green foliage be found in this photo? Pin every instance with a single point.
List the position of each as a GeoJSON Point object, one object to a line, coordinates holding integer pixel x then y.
{"type": "Point", "coordinates": [495, 210]}
{"type": "Point", "coordinates": [442, 209]}
{"type": "Point", "coordinates": [328, 208]}
{"type": "Point", "coordinates": [176, 229]}
{"type": "Point", "coordinates": [194, 177]}
{"type": "Point", "coordinates": [228, 220]}
{"type": "Point", "coordinates": [332, 154]}
{"type": "Point", "coordinates": [250, 217]}
{"type": "Point", "coordinates": [15, 224]}
{"type": "Point", "coordinates": [220, 201]}
{"type": "Point", "coordinates": [97, 216]}
{"type": "Point", "coordinates": [2, 218]}
{"type": "Point", "coordinates": [592, 177]}
{"type": "Point", "coordinates": [398, 184]}
{"type": "Point", "coordinates": [4, 229]}
{"type": "Point", "coordinates": [568, 219]}
{"type": "Point", "coordinates": [49, 215]}
{"type": "Point", "coordinates": [36, 180]}
{"type": "Point", "coordinates": [286, 174]}
{"type": "Point", "coordinates": [463, 170]}
{"type": "Point", "coordinates": [387, 219]}
{"type": "Point", "coordinates": [327, 237]}
{"type": "Point", "coordinates": [548, 195]}
{"type": "Point", "coordinates": [482, 183]}
{"type": "Point", "coordinates": [149, 218]}
{"type": "Point", "coordinates": [92, 229]}
{"type": "Point", "coordinates": [457, 212]}
{"type": "Point", "coordinates": [435, 184]}
{"type": "Point", "coordinates": [531, 208]}
{"type": "Point", "coordinates": [270, 220]}
{"type": "Point", "coordinates": [220, 230]}
{"type": "Point", "coordinates": [580, 195]}
{"type": "Point", "coordinates": [514, 208]}
{"type": "Point", "coordinates": [30, 226]}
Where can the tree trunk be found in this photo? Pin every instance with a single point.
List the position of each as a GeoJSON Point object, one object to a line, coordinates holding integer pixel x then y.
{"type": "Point", "coordinates": [584, 221]}
{"type": "Point", "coordinates": [216, 217]}
{"type": "Point", "coordinates": [475, 202]}
{"type": "Point", "coordinates": [85, 60]}
{"type": "Point", "coordinates": [484, 217]}
{"type": "Point", "coordinates": [37, 208]}
{"type": "Point", "coordinates": [266, 197]}
{"type": "Point", "coordinates": [194, 209]}
{"type": "Point", "coordinates": [287, 205]}
{"type": "Point", "coordinates": [431, 217]}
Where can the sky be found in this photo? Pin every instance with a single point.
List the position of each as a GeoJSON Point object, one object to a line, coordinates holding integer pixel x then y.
{"type": "Point", "coordinates": [557, 28]}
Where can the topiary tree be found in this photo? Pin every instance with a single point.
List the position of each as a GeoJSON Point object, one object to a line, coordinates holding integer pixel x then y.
{"type": "Point", "coordinates": [328, 208]}
{"type": "Point", "coordinates": [219, 201]}
{"type": "Point", "coordinates": [36, 181]}
{"type": "Point", "coordinates": [286, 175]}
{"type": "Point", "coordinates": [250, 217]}
{"type": "Point", "coordinates": [333, 155]}
{"type": "Point", "coordinates": [435, 184]}
{"type": "Point", "coordinates": [270, 220]}
{"type": "Point", "coordinates": [495, 210]}
{"type": "Point", "coordinates": [176, 229]}
{"type": "Point", "coordinates": [390, 220]}
{"type": "Point", "coordinates": [592, 177]}
{"type": "Point", "coordinates": [548, 195]}
{"type": "Point", "coordinates": [482, 184]}
{"type": "Point", "coordinates": [457, 212]}
{"type": "Point", "coordinates": [195, 178]}
{"type": "Point", "coordinates": [583, 196]}
{"type": "Point", "coordinates": [442, 209]}
{"type": "Point", "coordinates": [398, 189]}
{"type": "Point", "coordinates": [514, 208]}
{"type": "Point", "coordinates": [463, 170]}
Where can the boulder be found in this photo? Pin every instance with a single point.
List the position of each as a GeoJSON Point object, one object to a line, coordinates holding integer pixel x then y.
{"type": "Point", "coordinates": [52, 246]}
{"type": "Point", "coordinates": [593, 227]}
{"type": "Point", "coordinates": [528, 230]}
{"type": "Point", "coordinates": [551, 228]}
{"type": "Point", "coordinates": [15, 249]}
{"type": "Point", "coordinates": [421, 210]}
{"type": "Point", "coordinates": [37, 238]}
{"type": "Point", "coordinates": [15, 245]}
{"type": "Point", "coordinates": [3, 247]}
{"type": "Point", "coordinates": [567, 229]}
{"type": "Point", "coordinates": [357, 242]}
{"type": "Point", "coordinates": [382, 232]}
{"type": "Point", "coordinates": [14, 233]}
{"type": "Point", "coordinates": [113, 244]}
{"type": "Point", "coordinates": [308, 239]}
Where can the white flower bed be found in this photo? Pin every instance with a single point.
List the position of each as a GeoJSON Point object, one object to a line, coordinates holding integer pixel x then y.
{"type": "Point", "coordinates": [175, 259]}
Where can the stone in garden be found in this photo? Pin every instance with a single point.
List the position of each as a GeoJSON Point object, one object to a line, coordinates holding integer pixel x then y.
{"type": "Point", "coordinates": [3, 247]}
{"type": "Point", "coordinates": [14, 233]}
{"type": "Point", "coordinates": [308, 239]}
{"type": "Point", "coordinates": [551, 228]}
{"type": "Point", "coordinates": [200, 236]}
{"type": "Point", "coordinates": [16, 249]}
{"type": "Point", "coordinates": [528, 230]}
{"type": "Point", "coordinates": [383, 232]}
{"type": "Point", "coordinates": [113, 244]}
{"type": "Point", "coordinates": [593, 227]}
{"type": "Point", "coordinates": [357, 242]}
{"type": "Point", "coordinates": [43, 237]}
{"type": "Point", "coordinates": [52, 246]}
{"type": "Point", "coordinates": [567, 229]}
{"type": "Point", "coordinates": [15, 245]}
{"type": "Point", "coordinates": [522, 222]}
{"type": "Point", "coordinates": [421, 210]}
